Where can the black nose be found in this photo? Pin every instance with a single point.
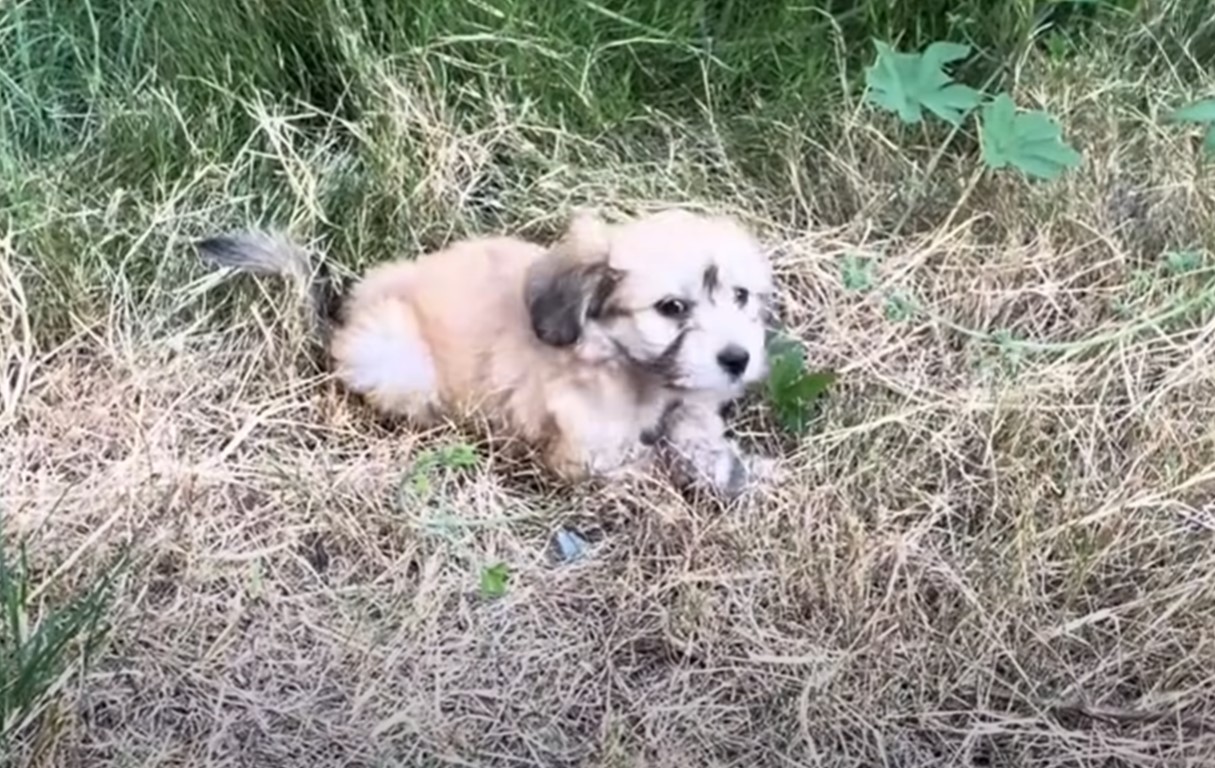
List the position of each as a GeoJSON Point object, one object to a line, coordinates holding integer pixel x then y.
{"type": "Point", "coordinates": [733, 360]}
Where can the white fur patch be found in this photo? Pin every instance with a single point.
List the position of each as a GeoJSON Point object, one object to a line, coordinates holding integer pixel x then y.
{"type": "Point", "coordinates": [391, 361]}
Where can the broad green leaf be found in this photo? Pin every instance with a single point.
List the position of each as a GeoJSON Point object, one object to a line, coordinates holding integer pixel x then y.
{"type": "Point", "coordinates": [1028, 141]}
{"type": "Point", "coordinates": [787, 364]}
{"type": "Point", "coordinates": [1202, 111]}
{"type": "Point", "coordinates": [812, 385]}
{"type": "Point", "coordinates": [795, 409]}
{"type": "Point", "coordinates": [792, 391]}
{"type": "Point", "coordinates": [494, 579]}
{"type": "Point", "coordinates": [782, 346]}
{"type": "Point", "coordinates": [908, 83]}
{"type": "Point", "coordinates": [1199, 112]}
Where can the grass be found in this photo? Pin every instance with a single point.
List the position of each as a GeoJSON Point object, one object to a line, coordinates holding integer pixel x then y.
{"type": "Point", "coordinates": [43, 642]}
{"type": "Point", "coordinates": [994, 547]}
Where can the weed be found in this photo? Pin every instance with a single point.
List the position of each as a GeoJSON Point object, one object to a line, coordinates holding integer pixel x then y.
{"type": "Point", "coordinates": [907, 83]}
{"type": "Point", "coordinates": [417, 485]}
{"type": "Point", "coordinates": [900, 307]}
{"type": "Point", "coordinates": [1028, 141]}
{"type": "Point", "coordinates": [793, 391]}
{"type": "Point", "coordinates": [856, 272]}
{"type": "Point", "coordinates": [494, 580]}
{"type": "Point", "coordinates": [1183, 262]}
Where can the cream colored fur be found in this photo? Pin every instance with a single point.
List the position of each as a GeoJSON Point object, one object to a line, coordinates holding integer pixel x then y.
{"type": "Point", "coordinates": [603, 351]}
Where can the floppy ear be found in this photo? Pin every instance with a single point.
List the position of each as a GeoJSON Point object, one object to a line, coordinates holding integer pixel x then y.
{"type": "Point", "coordinates": [570, 283]}
{"type": "Point", "coordinates": [561, 295]}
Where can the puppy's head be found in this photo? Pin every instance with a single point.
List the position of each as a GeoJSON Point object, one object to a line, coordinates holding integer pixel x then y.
{"type": "Point", "coordinates": [676, 294]}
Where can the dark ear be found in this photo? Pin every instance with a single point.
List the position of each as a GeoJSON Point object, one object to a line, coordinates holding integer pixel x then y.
{"type": "Point", "coordinates": [571, 282]}
{"type": "Point", "coordinates": [561, 294]}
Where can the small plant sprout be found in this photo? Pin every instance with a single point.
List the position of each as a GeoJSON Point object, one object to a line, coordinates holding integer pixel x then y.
{"type": "Point", "coordinates": [418, 481]}
{"type": "Point", "coordinates": [494, 580]}
{"type": "Point", "coordinates": [856, 272]}
{"type": "Point", "coordinates": [900, 307]}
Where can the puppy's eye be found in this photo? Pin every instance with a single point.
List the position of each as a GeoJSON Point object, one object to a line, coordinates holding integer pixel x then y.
{"type": "Point", "coordinates": [741, 296]}
{"type": "Point", "coordinates": [675, 309]}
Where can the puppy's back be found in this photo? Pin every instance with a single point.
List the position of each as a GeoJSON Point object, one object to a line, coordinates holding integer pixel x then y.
{"type": "Point", "coordinates": [465, 305]}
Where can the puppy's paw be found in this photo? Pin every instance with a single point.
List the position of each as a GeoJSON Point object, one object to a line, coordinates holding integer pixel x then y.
{"type": "Point", "coordinates": [714, 467]}
{"type": "Point", "coordinates": [763, 471]}
{"type": "Point", "coordinates": [731, 476]}
{"type": "Point", "coordinates": [741, 475]}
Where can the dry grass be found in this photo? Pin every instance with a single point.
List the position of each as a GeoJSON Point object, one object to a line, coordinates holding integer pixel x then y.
{"type": "Point", "coordinates": [998, 549]}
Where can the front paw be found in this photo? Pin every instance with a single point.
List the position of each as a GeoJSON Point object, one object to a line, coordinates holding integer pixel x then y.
{"type": "Point", "coordinates": [749, 473]}
{"type": "Point", "coordinates": [731, 475]}
{"type": "Point", "coordinates": [716, 468]}
{"type": "Point", "coordinates": [762, 471]}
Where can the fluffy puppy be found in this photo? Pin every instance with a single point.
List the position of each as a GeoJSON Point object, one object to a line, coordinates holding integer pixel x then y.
{"type": "Point", "coordinates": [618, 345]}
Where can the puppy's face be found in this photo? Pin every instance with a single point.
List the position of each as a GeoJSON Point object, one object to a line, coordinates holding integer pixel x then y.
{"type": "Point", "coordinates": [675, 294]}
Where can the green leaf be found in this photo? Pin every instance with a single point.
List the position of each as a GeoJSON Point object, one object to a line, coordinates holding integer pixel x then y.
{"type": "Point", "coordinates": [786, 366]}
{"type": "Point", "coordinates": [494, 579]}
{"type": "Point", "coordinates": [908, 83]}
{"type": "Point", "coordinates": [1203, 112]}
{"type": "Point", "coordinates": [1028, 141]}
{"type": "Point", "coordinates": [782, 347]}
{"type": "Point", "coordinates": [812, 385]}
{"type": "Point", "coordinates": [792, 391]}
{"type": "Point", "coordinates": [856, 273]}
{"type": "Point", "coordinates": [1199, 112]}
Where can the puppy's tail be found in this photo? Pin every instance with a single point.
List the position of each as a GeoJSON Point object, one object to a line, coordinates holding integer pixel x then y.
{"type": "Point", "coordinates": [272, 253]}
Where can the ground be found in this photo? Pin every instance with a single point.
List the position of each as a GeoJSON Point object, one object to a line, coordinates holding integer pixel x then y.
{"type": "Point", "coordinates": [995, 547]}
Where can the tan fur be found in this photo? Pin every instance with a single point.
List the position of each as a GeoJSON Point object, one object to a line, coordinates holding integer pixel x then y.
{"type": "Point", "coordinates": [465, 302]}
{"type": "Point", "coordinates": [551, 345]}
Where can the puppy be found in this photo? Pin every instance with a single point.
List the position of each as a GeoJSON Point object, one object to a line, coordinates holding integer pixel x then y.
{"type": "Point", "coordinates": [616, 347]}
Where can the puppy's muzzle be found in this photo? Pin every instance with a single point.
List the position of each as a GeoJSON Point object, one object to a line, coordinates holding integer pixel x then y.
{"type": "Point", "coordinates": [733, 360]}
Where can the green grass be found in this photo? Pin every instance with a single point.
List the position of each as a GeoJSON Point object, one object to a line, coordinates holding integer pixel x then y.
{"type": "Point", "coordinates": [989, 545]}
{"type": "Point", "coordinates": [111, 107]}
{"type": "Point", "coordinates": [45, 639]}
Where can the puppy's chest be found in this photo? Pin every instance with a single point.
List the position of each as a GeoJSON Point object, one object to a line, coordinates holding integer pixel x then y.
{"type": "Point", "coordinates": [622, 427]}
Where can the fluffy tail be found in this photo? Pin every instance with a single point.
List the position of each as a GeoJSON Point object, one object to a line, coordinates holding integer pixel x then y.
{"type": "Point", "coordinates": [271, 253]}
